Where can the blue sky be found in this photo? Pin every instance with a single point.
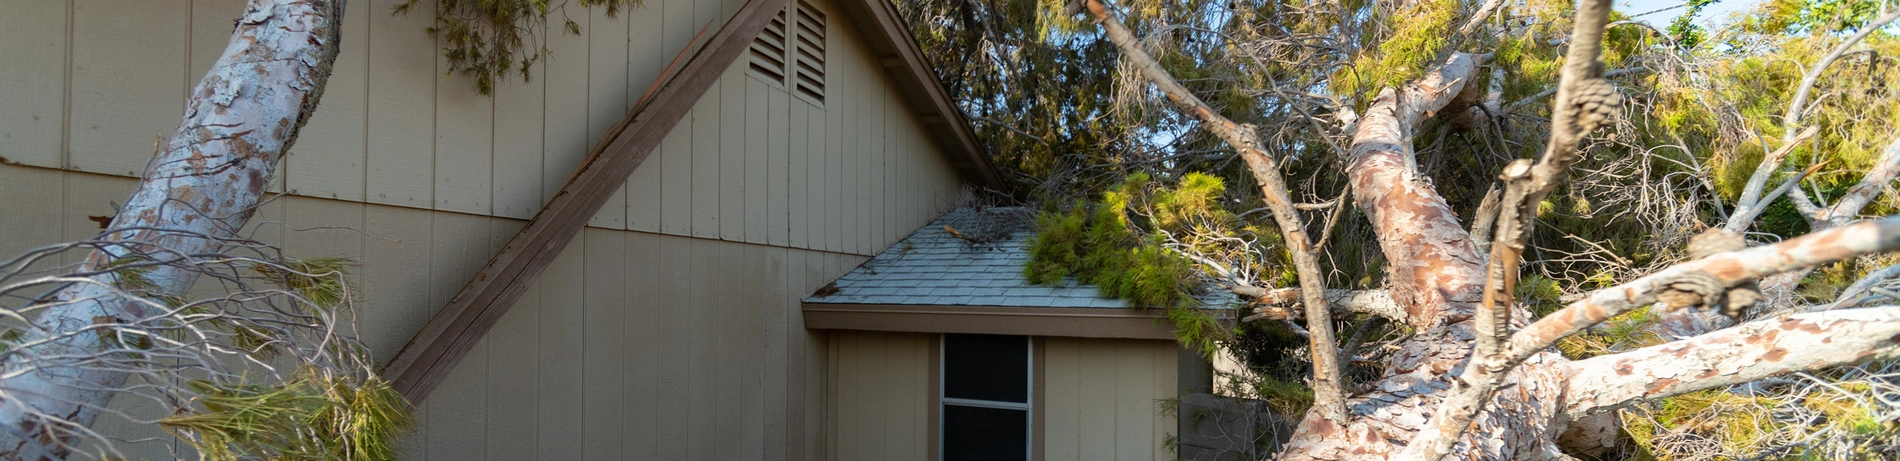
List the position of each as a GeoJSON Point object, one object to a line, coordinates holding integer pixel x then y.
{"type": "Point", "coordinates": [1718, 10]}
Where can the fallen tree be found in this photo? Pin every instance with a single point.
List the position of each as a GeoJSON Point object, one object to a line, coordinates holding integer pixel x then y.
{"type": "Point", "coordinates": [1478, 379]}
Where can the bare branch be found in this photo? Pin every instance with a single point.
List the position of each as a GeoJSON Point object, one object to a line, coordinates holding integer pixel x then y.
{"type": "Point", "coordinates": [1751, 193]}
{"type": "Point", "coordinates": [1430, 251]}
{"type": "Point", "coordinates": [1744, 353]}
{"type": "Point", "coordinates": [1878, 179]}
{"type": "Point", "coordinates": [1486, 220]}
{"type": "Point", "coordinates": [1851, 295]}
{"type": "Point", "coordinates": [1005, 126]}
{"type": "Point", "coordinates": [1477, 19]}
{"type": "Point", "coordinates": [1374, 302]}
{"type": "Point", "coordinates": [1751, 206]}
{"type": "Point", "coordinates": [1528, 100]}
{"type": "Point", "coordinates": [1743, 217]}
{"type": "Point", "coordinates": [1681, 286]}
{"type": "Point", "coordinates": [1328, 396]}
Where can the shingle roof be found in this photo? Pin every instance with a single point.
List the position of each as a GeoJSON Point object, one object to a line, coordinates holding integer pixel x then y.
{"type": "Point", "coordinates": [933, 267]}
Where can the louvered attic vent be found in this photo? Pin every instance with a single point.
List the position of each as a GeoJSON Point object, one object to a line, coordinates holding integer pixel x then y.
{"type": "Point", "coordinates": [808, 74]}
{"type": "Point", "coordinates": [768, 51]}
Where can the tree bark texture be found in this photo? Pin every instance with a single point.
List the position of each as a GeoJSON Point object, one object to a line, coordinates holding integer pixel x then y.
{"type": "Point", "coordinates": [1437, 280]}
{"type": "Point", "coordinates": [201, 188]}
{"type": "Point", "coordinates": [1328, 393]}
{"type": "Point", "coordinates": [1748, 352]}
{"type": "Point", "coordinates": [1436, 276]}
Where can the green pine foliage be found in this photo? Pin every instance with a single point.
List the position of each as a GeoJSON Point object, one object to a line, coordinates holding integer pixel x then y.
{"type": "Point", "coordinates": [314, 416]}
{"type": "Point", "coordinates": [1413, 39]}
{"type": "Point", "coordinates": [1100, 244]}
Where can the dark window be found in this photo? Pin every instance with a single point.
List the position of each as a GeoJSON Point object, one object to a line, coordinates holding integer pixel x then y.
{"type": "Point", "coordinates": [986, 367]}
{"type": "Point", "coordinates": [972, 433]}
{"type": "Point", "coordinates": [986, 397]}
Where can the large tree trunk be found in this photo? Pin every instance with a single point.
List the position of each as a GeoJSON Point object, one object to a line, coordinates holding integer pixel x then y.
{"type": "Point", "coordinates": [1517, 397]}
{"type": "Point", "coordinates": [199, 190]}
{"type": "Point", "coordinates": [1437, 276]}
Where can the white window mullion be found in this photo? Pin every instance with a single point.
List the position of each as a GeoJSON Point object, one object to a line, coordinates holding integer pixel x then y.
{"type": "Point", "coordinates": [986, 404]}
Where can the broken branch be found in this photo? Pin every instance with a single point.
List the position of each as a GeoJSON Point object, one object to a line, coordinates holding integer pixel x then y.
{"type": "Point", "coordinates": [1744, 353]}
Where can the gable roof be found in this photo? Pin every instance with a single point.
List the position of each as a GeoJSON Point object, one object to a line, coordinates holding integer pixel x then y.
{"type": "Point", "coordinates": [435, 349]}
{"type": "Point", "coordinates": [971, 281]}
{"type": "Point", "coordinates": [897, 52]}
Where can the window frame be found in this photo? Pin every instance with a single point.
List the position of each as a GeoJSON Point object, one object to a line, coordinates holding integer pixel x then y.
{"type": "Point", "coordinates": [1032, 412]}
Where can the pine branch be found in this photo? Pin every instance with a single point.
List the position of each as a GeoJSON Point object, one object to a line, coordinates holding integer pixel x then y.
{"type": "Point", "coordinates": [1328, 395]}
{"type": "Point", "coordinates": [1744, 353]}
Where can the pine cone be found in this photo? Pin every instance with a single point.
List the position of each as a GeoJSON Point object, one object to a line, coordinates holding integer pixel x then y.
{"type": "Point", "coordinates": [1596, 101]}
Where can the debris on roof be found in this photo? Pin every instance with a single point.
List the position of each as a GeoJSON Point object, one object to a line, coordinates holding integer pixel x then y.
{"type": "Point", "coordinates": [968, 257]}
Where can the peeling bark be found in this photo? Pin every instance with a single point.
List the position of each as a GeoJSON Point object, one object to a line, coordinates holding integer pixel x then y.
{"type": "Point", "coordinates": [202, 187]}
{"type": "Point", "coordinates": [1748, 352]}
{"type": "Point", "coordinates": [1701, 277]}
{"type": "Point", "coordinates": [1514, 401]}
{"type": "Point", "coordinates": [1436, 273]}
{"type": "Point", "coordinates": [1437, 278]}
{"type": "Point", "coordinates": [1372, 302]}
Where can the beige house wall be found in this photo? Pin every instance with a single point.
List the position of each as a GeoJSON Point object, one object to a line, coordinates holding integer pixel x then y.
{"type": "Point", "coordinates": [1096, 399]}
{"type": "Point", "coordinates": [880, 396]}
{"type": "Point", "coordinates": [1103, 398]}
{"type": "Point", "coordinates": [89, 85]}
{"type": "Point", "coordinates": [669, 329]}
{"type": "Point", "coordinates": [633, 344]}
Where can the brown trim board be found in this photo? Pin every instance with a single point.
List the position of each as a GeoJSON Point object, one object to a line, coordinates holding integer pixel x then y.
{"type": "Point", "coordinates": [1075, 322]}
{"type": "Point", "coordinates": [447, 338]}
{"type": "Point", "coordinates": [933, 440]}
{"type": "Point", "coordinates": [1038, 419]}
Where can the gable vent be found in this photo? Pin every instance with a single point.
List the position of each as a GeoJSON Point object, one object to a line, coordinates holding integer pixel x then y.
{"type": "Point", "coordinates": [768, 51]}
{"type": "Point", "coordinates": [808, 73]}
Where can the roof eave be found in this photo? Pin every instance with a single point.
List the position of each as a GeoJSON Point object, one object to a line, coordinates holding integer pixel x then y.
{"type": "Point", "coordinates": [898, 54]}
{"type": "Point", "coordinates": [1070, 322]}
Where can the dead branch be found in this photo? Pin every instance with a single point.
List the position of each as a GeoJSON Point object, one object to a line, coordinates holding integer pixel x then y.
{"type": "Point", "coordinates": [1006, 126]}
{"type": "Point", "coordinates": [1751, 192]}
{"type": "Point", "coordinates": [1374, 302]}
{"type": "Point", "coordinates": [1879, 178]}
{"type": "Point", "coordinates": [1681, 286]}
{"type": "Point", "coordinates": [1486, 220]}
{"type": "Point", "coordinates": [1477, 19]}
{"type": "Point", "coordinates": [1744, 353]}
{"type": "Point", "coordinates": [1851, 295]}
{"type": "Point", "coordinates": [1749, 207]}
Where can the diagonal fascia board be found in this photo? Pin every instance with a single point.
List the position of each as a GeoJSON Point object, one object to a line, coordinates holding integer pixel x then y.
{"type": "Point", "coordinates": [442, 343]}
{"type": "Point", "coordinates": [889, 37]}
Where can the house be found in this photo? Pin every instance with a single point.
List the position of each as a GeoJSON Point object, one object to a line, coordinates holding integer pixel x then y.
{"type": "Point", "coordinates": [939, 345]}
{"type": "Point", "coordinates": [676, 324]}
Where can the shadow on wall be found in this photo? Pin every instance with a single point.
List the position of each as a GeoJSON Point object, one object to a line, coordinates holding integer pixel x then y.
{"type": "Point", "coordinates": [1217, 428]}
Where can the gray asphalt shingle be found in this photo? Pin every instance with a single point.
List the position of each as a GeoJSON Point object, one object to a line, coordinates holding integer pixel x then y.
{"type": "Point", "coordinates": [932, 267]}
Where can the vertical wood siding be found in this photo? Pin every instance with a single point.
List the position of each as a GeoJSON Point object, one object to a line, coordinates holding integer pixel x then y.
{"type": "Point", "coordinates": [668, 330]}
{"type": "Point", "coordinates": [632, 345]}
{"type": "Point", "coordinates": [879, 383]}
{"type": "Point", "coordinates": [90, 84]}
{"type": "Point", "coordinates": [1103, 399]}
